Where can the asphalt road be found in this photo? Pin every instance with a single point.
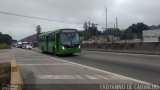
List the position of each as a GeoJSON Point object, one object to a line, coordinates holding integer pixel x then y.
{"type": "Point", "coordinates": [46, 72]}
{"type": "Point", "coordinates": [138, 66]}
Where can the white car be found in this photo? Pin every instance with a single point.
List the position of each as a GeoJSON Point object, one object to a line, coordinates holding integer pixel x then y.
{"type": "Point", "coordinates": [28, 47]}
{"type": "Point", "coordinates": [23, 46]}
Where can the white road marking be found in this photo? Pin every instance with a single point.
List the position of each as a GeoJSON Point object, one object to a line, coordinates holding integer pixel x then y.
{"type": "Point", "coordinates": [45, 64]}
{"type": "Point", "coordinates": [77, 77]}
{"type": "Point", "coordinates": [5, 61]}
{"type": "Point", "coordinates": [56, 77]}
{"type": "Point", "coordinates": [91, 77]}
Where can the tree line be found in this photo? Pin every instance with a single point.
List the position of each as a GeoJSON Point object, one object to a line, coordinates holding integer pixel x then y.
{"type": "Point", "coordinates": [90, 30]}
{"type": "Point", "coordinates": [132, 32]}
{"type": "Point", "coordinates": [5, 38]}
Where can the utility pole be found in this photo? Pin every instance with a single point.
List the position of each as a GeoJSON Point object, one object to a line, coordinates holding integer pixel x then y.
{"type": "Point", "coordinates": [106, 17]}
{"type": "Point", "coordinates": [106, 20]}
{"type": "Point", "coordinates": [116, 23]}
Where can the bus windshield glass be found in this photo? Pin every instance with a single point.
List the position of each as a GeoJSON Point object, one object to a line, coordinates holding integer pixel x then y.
{"type": "Point", "coordinates": [70, 38]}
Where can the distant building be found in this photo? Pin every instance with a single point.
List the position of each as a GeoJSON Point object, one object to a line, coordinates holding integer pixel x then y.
{"type": "Point", "coordinates": [31, 38]}
{"type": "Point", "coordinates": [151, 35]}
{"type": "Point", "coordinates": [14, 42]}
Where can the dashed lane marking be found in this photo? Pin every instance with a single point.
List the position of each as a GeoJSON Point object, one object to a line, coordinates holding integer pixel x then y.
{"type": "Point", "coordinates": [5, 61]}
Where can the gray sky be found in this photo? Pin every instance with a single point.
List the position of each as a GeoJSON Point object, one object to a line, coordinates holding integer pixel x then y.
{"type": "Point", "coordinates": [74, 11]}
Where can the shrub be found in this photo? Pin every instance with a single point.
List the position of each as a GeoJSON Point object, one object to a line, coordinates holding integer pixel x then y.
{"type": "Point", "coordinates": [4, 46]}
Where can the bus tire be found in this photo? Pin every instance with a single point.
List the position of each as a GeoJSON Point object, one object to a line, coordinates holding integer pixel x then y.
{"type": "Point", "coordinates": [43, 50]}
{"type": "Point", "coordinates": [54, 52]}
{"type": "Point", "coordinates": [71, 54]}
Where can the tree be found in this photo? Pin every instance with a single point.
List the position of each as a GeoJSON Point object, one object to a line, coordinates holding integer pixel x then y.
{"type": "Point", "coordinates": [1, 37]}
{"type": "Point", "coordinates": [7, 39]}
{"type": "Point", "coordinates": [38, 30]}
{"type": "Point", "coordinates": [85, 26]}
{"type": "Point", "coordinates": [90, 29]}
{"type": "Point", "coordinates": [136, 29]}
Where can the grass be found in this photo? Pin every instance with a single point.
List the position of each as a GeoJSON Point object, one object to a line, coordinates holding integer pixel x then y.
{"type": "Point", "coordinates": [4, 46]}
{"type": "Point", "coordinates": [5, 72]}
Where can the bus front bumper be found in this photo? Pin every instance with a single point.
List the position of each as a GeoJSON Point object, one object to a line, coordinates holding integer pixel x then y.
{"type": "Point", "coordinates": [69, 50]}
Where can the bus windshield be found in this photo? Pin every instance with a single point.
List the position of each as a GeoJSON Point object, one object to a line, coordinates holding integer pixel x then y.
{"type": "Point", "coordinates": [70, 38]}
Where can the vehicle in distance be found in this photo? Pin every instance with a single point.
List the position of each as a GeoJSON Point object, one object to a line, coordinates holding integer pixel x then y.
{"type": "Point", "coordinates": [24, 45]}
{"type": "Point", "coordinates": [61, 41]}
{"type": "Point", "coordinates": [27, 47]}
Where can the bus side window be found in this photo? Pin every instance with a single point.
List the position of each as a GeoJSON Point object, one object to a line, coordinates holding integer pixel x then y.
{"type": "Point", "coordinates": [38, 38]}
{"type": "Point", "coordinates": [49, 37]}
{"type": "Point", "coordinates": [52, 37]}
{"type": "Point", "coordinates": [42, 38]}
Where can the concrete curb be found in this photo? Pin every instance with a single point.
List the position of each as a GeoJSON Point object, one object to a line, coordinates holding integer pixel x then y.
{"type": "Point", "coordinates": [16, 79]}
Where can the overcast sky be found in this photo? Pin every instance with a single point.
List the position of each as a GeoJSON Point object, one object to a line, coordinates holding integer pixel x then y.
{"type": "Point", "coordinates": [74, 11]}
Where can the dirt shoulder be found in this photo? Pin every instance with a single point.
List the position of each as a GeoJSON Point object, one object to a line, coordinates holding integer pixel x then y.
{"type": "Point", "coordinates": [5, 72]}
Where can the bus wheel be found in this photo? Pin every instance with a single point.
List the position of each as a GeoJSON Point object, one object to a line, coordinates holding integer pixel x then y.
{"type": "Point", "coordinates": [54, 52]}
{"type": "Point", "coordinates": [71, 54]}
{"type": "Point", "coordinates": [42, 50]}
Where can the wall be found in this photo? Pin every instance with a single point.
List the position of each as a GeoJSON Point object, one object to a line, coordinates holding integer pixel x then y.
{"type": "Point", "coordinates": [124, 46]}
{"type": "Point", "coordinates": [151, 35]}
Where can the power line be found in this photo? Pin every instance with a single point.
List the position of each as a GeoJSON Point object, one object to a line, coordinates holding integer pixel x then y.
{"type": "Point", "coordinates": [33, 17]}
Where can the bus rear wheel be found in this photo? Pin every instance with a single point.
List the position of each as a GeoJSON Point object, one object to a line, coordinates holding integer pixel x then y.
{"type": "Point", "coordinates": [54, 52]}
{"type": "Point", "coordinates": [43, 50]}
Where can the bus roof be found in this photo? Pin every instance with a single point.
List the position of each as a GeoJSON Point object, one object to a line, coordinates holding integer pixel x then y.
{"type": "Point", "coordinates": [49, 32]}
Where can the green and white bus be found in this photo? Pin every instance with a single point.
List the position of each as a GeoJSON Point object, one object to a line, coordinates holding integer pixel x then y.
{"type": "Point", "coordinates": [62, 41]}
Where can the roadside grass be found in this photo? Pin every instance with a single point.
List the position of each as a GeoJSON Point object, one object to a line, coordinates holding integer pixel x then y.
{"type": "Point", "coordinates": [5, 73]}
{"type": "Point", "coordinates": [4, 46]}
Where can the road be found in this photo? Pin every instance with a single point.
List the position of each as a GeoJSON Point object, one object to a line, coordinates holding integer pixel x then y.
{"type": "Point", "coordinates": [47, 72]}
{"type": "Point", "coordinates": [5, 56]}
{"type": "Point", "coordinates": [139, 66]}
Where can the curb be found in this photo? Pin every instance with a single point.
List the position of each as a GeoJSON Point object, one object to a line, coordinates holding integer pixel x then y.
{"type": "Point", "coordinates": [16, 79]}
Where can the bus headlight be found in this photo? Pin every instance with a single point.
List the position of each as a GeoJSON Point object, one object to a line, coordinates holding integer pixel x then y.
{"type": "Point", "coordinates": [63, 47]}
{"type": "Point", "coordinates": [79, 46]}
